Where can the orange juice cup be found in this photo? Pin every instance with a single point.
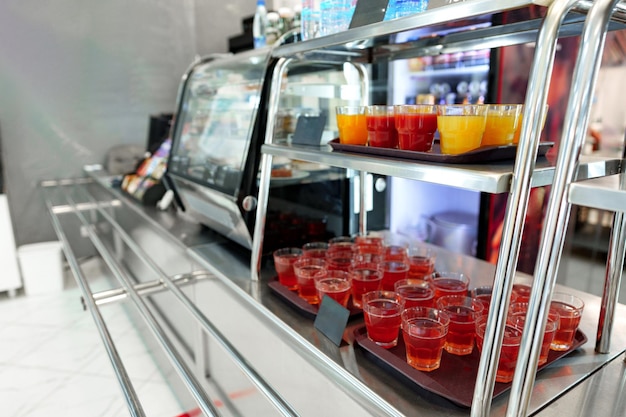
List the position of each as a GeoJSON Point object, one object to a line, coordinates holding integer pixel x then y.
{"type": "Point", "coordinates": [502, 121]}
{"type": "Point", "coordinates": [307, 270]}
{"type": "Point", "coordinates": [518, 130]}
{"type": "Point", "coordinates": [461, 127]}
{"type": "Point", "coordinates": [351, 124]}
{"type": "Point", "coordinates": [381, 311]}
{"type": "Point", "coordinates": [424, 331]}
{"type": "Point", "coordinates": [509, 352]}
{"type": "Point", "coordinates": [415, 292]}
{"type": "Point", "coordinates": [421, 262]}
{"type": "Point", "coordinates": [283, 262]}
{"type": "Point", "coordinates": [416, 126]}
{"type": "Point", "coordinates": [381, 127]}
{"type": "Point", "coordinates": [463, 312]}
{"type": "Point", "coordinates": [336, 285]}
{"type": "Point", "coordinates": [570, 309]}
{"type": "Point", "coordinates": [365, 277]}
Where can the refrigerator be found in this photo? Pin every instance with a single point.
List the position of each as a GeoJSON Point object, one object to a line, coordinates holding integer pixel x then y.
{"type": "Point", "coordinates": [480, 76]}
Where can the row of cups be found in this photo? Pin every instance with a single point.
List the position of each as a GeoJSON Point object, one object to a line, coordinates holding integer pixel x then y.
{"type": "Point", "coordinates": [462, 127]}
{"type": "Point", "coordinates": [457, 322]}
{"type": "Point", "coordinates": [347, 267]}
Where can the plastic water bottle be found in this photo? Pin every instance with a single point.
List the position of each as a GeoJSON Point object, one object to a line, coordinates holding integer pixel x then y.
{"type": "Point", "coordinates": [310, 19]}
{"type": "Point", "coordinates": [336, 15]}
{"type": "Point", "coordinates": [259, 25]}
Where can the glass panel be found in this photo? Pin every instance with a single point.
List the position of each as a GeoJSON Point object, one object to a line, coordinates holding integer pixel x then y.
{"type": "Point", "coordinates": [217, 115]}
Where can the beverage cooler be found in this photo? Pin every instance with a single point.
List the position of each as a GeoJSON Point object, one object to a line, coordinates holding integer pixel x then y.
{"type": "Point", "coordinates": [464, 221]}
{"type": "Point", "coordinates": [217, 137]}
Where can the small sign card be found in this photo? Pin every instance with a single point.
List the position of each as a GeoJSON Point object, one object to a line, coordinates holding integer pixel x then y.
{"type": "Point", "coordinates": [368, 12]}
{"type": "Point", "coordinates": [332, 319]}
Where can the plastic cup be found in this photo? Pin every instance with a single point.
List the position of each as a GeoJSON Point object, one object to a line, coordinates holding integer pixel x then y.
{"type": "Point", "coordinates": [518, 130]}
{"type": "Point", "coordinates": [522, 287]}
{"type": "Point", "coordinates": [570, 309]}
{"type": "Point", "coordinates": [509, 352]}
{"type": "Point", "coordinates": [315, 250]}
{"type": "Point", "coordinates": [461, 127]}
{"type": "Point", "coordinates": [335, 285]}
{"type": "Point", "coordinates": [396, 253]}
{"type": "Point", "coordinates": [450, 283]}
{"type": "Point", "coordinates": [352, 125]}
{"type": "Point", "coordinates": [463, 313]}
{"type": "Point", "coordinates": [369, 244]}
{"type": "Point", "coordinates": [501, 124]}
{"type": "Point", "coordinates": [424, 332]}
{"type": "Point", "coordinates": [283, 262]}
{"type": "Point", "coordinates": [415, 293]}
{"type": "Point", "coordinates": [517, 317]}
{"type": "Point", "coordinates": [421, 262]}
{"type": "Point", "coordinates": [307, 270]}
{"type": "Point", "coordinates": [416, 126]}
{"type": "Point", "coordinates": [341, 244]}
{"type": "Point", "coordinates": [381, 311]}
{"type": "Point", "coordinates": [483, 295]}
{"type": "Point", "coordinates": [365, 277]}
{"type": "Point", "coordinates": [393, 271]}
{"type": "Point", "coordinates": [381, 127]}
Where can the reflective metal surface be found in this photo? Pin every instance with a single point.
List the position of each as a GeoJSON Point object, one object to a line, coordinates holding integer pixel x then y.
{"type": "Point", "coordinates": [606, 193]}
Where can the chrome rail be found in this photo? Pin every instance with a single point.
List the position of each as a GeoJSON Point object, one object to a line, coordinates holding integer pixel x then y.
{"type": "Point", "coordinates": [192, 383]}
{"type": "Point", "coordinates": [558, 210]}
{"type": "Point", "coordinates": [275, 398]}
{"type": "Point", "coordinates": [517, 205]}
{"type": "Point", "coordinates": [134, 405]}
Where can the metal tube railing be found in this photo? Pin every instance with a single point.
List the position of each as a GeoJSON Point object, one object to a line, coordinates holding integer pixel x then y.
{"type": "Point", "coordinates": [276, 399]}
{"type": "Point", "coordinates": [194, 386]}
{"type": "Point", "coordinates": [558, 210]}
{"type": "Point", "coordinates": [536, 97]}
{"type": "Point", "coordinates": [132, 401]}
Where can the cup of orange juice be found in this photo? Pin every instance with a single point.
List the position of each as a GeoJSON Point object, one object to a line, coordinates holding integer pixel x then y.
{"type": "Point", "coordinates": [461, 127]}
{"type": "Point", "coordinates": [518, 130]}
{"type": "Point", "coordinates": [502, 121]}
{"type": "Point", "coordinates": [352, 125]}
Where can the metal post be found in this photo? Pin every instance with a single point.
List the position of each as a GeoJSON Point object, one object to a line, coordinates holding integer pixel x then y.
{"type": "Point", "coordinates": [557, 217]}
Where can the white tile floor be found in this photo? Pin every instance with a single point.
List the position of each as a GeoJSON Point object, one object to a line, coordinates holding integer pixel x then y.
{"type": "Point", "coordinates": [53, 362]}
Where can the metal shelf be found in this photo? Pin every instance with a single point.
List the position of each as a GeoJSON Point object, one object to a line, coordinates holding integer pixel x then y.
{"type": "Point", "coordinates": [492, 178]}
{"type": "Point", "coordinates": [605, 193]}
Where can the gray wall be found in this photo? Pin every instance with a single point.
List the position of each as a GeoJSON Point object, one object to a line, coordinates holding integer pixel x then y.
{"type": "Point", "coordinates": [80, 76]}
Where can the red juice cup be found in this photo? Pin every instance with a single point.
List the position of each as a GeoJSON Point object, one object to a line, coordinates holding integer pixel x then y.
{"type": "Point", "coordinates": [381, 311]}
{"type": "Point", "coordinates": [335, 285]}
{"type": "Point", "coordinates": [522, 287]}
{"type": "Point", "coordinates": [424, 331]}
{"type": "Point", "coordinates": [421, 262]}
{"type": "Point", "coordinates": [315, 250]}
{"type": "Point", "coordinates": [570, 309]}
{"type": "Point", "coordinates": [509, 352]}
{"type": "Point", "coordinates": [483, 295]}
{"type": "Point", "coordinates": [396, 253]}
{"type": "Point", "coordinates": [463, 312]}
{"type": "Point", "coordinates": [450, 283]}
{"type": "Point", "coordinates": [283, 262]}
{"type": "Point", "coordinates": [416, 126]}
{"type": "Point", "coordinates": [517, 317]}
{"type": "Point", "coordinates": [369, 244]}
{"type": "Point", "coordinates": [365, 277]}
{"type": "Point", "coordinates": [381, 127]}
{"type": "Point", "coordinates": [415, 293]}
{"type": "Point", "coordinates": [307, 270]}
{"type": "Point", "coordinates": [393, 271]}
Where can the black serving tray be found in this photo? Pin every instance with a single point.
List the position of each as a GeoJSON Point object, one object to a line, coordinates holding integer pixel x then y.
{"type": "Point", "coordinates": [456, 377]}
{"type": "Point", "coordinates": [484, 154]}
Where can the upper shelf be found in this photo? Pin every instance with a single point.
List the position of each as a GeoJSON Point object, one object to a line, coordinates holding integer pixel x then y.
{"type": "Point", "coordinates": [492, 178]}
{"type": "Point", "coordinates": [372, 42]}
{"type": "Point", "coordinates": [606, 193]}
